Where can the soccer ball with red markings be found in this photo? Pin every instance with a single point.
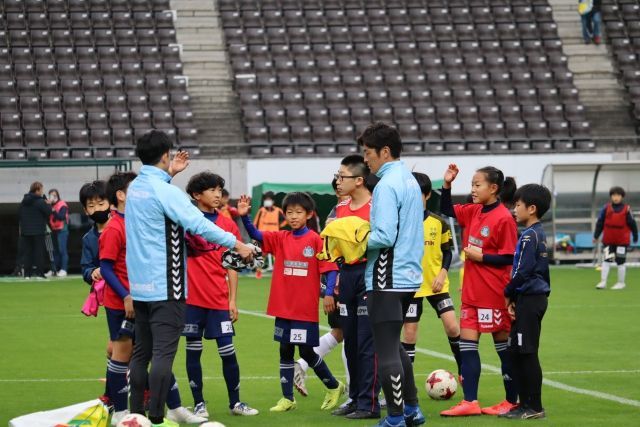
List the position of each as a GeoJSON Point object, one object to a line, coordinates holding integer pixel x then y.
{"type": "Point", "coordinates": [441, 385]}
{"type": "Point", "coordinates": [134, 420]}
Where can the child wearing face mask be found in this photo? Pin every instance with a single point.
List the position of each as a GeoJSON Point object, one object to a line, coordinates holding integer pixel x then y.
{"type": "Point", "coordinates": [93, 197]}
{"type": "Point", "coordinates": [269, 218]}
{"type": "Point", "coordinates": [491, 242]}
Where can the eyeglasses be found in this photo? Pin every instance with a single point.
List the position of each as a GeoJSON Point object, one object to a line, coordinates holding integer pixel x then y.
{"type": "Point", "coordinates": [339, 178]}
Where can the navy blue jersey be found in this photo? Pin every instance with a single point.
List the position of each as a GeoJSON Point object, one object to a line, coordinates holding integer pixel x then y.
{"type": "Point", "coordinates": [530, 274]}
{"type": "Point", "coordinates": [89, 260]}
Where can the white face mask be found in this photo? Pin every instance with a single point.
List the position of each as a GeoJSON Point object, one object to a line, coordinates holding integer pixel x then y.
{"type": "Point", "coordinates": [53, 198]}
{"type": "Point", "coordinates": [268, 203]}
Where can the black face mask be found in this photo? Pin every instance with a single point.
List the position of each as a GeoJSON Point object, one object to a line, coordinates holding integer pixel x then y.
{"type": "Point", "coordinates": [100, 217]}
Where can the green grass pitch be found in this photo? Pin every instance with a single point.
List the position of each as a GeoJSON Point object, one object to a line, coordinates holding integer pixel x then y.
{"type": "Point", "coordinates": [53, 356]}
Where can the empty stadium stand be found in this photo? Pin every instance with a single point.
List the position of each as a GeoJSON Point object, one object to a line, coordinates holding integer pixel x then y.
{"type": "Point", "coordinates": [82, 79]}
{"type": "Point", "coordinates": [621, 19]}
{"type": "Point", "coordinates": [452, 75]}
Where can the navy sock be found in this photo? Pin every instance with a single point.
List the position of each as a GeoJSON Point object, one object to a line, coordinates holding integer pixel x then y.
{"type": "Point", "coordinates": [510, 388]}
{"type": "Point", "coordinates": [286, 378]}
{"type": "Point", "coordinates": [319, 367]}
{"type": "Point", "coordinates": [454, 343]}
{"type": "Point", "coordinates": [410, 349]}
{"type": "Point", "coordinates": [194, 368]}
{"type": "Point", "coordinates": [173, 396]}
{"type": "Point", "coordinates": [231, 372]}
{"type": "Point", "coordinates": [470, 369]}
{"type": "Point", "coordinates": [106, 384]}
{"type": "Point", "coordinates": [117, 384]}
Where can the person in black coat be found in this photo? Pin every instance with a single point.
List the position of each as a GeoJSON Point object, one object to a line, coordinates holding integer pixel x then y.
{"type": "Point", "coordinates": [33, 215]}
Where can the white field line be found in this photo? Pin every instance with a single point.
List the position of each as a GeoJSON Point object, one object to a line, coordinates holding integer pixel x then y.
{"type": "Point", "coordinates": [495, 369]}
{"type": "Point", "coordinates": [491, 368]}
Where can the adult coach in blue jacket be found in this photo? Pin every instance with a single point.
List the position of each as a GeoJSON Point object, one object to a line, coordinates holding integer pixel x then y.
{"type": "Point", "coordinates": [157, 216]}
{"type": "Point", "coordinates": [394, 270]}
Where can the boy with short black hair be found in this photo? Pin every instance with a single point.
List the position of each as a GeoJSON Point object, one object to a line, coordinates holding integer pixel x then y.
{"type": "Point", "coordinates": [616, 224]}
{"type": "Point", "coordinates": [295, 289]}
{"type": "Point", "coordinates": [435, 285]}
{"type": "Point", "coordinates": [526, 298]}
{"type": "Point", "coordinates": [93, 198]}
{"type": "Point", "coordinates": [211, 302]}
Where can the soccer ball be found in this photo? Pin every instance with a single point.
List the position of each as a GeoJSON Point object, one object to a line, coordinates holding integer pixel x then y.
{"type": "Point", "coordinates": [441, 385]}
{"type": "Point", "coordinates": [212, 424]}
{"type": "Point", "coordinates": [134, 420]}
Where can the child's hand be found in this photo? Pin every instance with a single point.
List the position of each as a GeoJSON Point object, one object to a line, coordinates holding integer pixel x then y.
{"type": "Point", "coordinates": [511, 308]}
{"type": "Point", "coordinates": [129, 312]}
{"type": "Point", "coordinates": [244, 205]}
{"type": "Point", "coordinates": [179, 163]}
{"type": "Point", "coordinates": [473, 254]}
{"type": "Point", "coordinates": [329, 304]}
{"type": "Point", "coordinates": [450, 175]}
{"type": "Point", "coordinates": [233, 311]}
{"type": "Point", "coordinates": [438, 281]}
{"type": "Point", "coordinates": [95, 275]}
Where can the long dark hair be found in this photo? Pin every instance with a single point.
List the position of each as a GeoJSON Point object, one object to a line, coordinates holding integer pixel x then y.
{"type": "Point", "coordinates": [506, 186]}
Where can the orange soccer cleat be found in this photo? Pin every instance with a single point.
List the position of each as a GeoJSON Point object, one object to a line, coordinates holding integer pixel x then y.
{"type": "Point", "coordinates": [499, 409]}
{"type": "Point", "coordinates": [463, 409]}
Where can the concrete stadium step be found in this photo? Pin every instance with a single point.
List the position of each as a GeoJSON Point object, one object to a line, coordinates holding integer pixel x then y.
{"type": "Point", "coordinates": [214, 104]}
{"type": "Point", "coordinates": [595, 75]}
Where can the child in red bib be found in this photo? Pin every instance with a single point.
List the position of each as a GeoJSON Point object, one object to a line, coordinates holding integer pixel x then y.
{"type": "Point", "coordinates": [616, 224]}
{"type": "Point", "coordinates": [491, 242]}
{"type": "Point", "coordinates": [295, 289]}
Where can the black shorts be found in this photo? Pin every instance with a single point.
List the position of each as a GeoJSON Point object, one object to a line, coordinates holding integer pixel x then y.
{"type": "Point", "coordinates": [334, 319]}
{"type": "Point", "coordinates": [119, 325]}
{"type": "Point", "coordinates": [525, 330]}
{"type": "Point", "coordinates": [441, 303]}
{"type": "Point", "coordinates": [615, 252]}
{"type": "Point", "coordinates": [388, 306]}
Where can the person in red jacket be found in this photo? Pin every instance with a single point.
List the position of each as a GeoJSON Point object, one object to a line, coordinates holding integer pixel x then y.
{"type": "Point", "coordinates": [616, 224]}
{"type": "Point", "coordinates": [59, 224]}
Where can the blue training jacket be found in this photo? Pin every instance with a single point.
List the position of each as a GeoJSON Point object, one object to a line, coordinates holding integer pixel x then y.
{"type": "Point", "coordinates": [396, 242]}
{"type": "Point", "coordinates": [89, 260]}
{"type": "Point", "coordinates": [158, 214]}
{"type": "Point", "coordinates": [530, 274]}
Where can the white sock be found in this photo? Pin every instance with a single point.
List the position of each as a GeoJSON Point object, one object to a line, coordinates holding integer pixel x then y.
{"type": "Point", "coordinates": [606, 266]}
{"type": "Point", "coordinates": [304, 365]}
{"type": "Point", "coordinates": [327, 343]}
{"type": "Point", "coordinates": [622, 272]}
{"type": "Point", "coordinates": [346, 368]}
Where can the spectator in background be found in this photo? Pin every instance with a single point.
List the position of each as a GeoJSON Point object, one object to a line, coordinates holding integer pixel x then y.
{"type": "Point", "coordinates": [591, 19]}
{"type": "Point", "coordinates": [225, 208]}
{"type": "Point", "coordinates": [59, 224]}
{"type": "Point", "coordinates": [33, 216]}
{"type": "Point", "coordinates": [269, 218]}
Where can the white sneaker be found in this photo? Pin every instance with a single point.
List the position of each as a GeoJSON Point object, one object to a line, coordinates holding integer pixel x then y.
{"type": "Point", "coordinates": [299, 379]}
{"type": "Point", "coordinates": [182, 415]}
{"type": "Point", "coordinates": [618, 286]}
{"type": "Point", "coordinates": [383, 402]}
{"type": "Point", "coordinates": [243, 409]}
{"type": "Point", "coordinates": [200, 410]}
{"type": "Point", "coordinates": [601, 285]}
{"type": "Point", "coordinates": [62, 273]}
{"type": "Point", "coordinates": [49, 274]}
{"type": "Point", "coordinates": [118, 416]}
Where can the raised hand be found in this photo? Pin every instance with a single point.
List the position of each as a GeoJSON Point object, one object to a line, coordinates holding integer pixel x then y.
{"type": "Point", "coordinates": [451, 173]}
{"type": "Point", "coordinates": [179, 163]}
{"type": "Point", "coordinates": [244, 205]}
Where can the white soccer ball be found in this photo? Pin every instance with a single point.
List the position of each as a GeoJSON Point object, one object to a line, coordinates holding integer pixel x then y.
{"type": "Point", "coordinates": [134, 420]}
{"type": "Point", "coordinates": [212, 424]}
{"type": "Point", "coordinates": [441, 385]}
